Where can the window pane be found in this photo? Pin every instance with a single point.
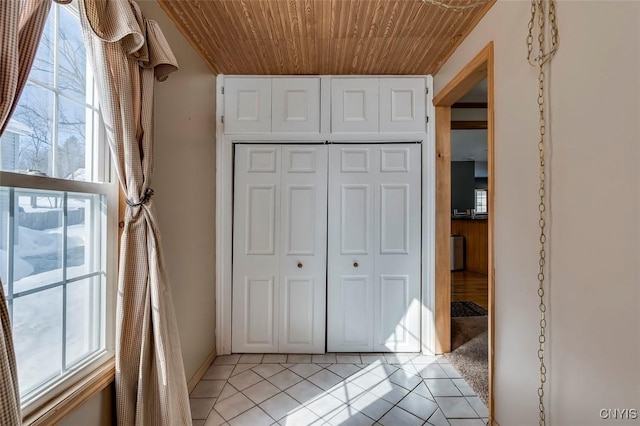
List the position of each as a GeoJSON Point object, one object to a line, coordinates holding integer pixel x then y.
{"type": "Point", "coordinates": [4, 238]}
{"type": "Point", "coordinates": [72, 66]}
{"type": "Point", "coordinates": [70, 152]}
{"type": "Point", "coordinates": [37, 334]}
{"type": "Point", "coordinates": [83, 336]}
{"type": "Point", "coordinates": [85, 221]}
{"type": "Point", "coordinates": [38, 240]}
{"type": "Point", "coordinates": [42, 69]}
{"type": "Point", "coordinates": [33, 125]}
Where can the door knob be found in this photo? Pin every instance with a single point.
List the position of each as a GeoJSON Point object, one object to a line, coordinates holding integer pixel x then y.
{"type": "Point", "coordinates": [299, 264]}
{"type": "Point", "coordinates": [355, 264]}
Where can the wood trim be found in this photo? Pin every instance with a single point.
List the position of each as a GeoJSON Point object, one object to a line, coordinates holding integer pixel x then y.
{"type": "Point", "coordinates": [68, 401]}
{"type": "Point", "coordinates": [443, 230]}
{"type": "Point", "coordinates": [480, 67]}
{"type": "Point", "coordinates": [191, 384]}
{"type": "Point", "coordinates": [468, 125]}
{"type": "Point", "coordinates": [473, 73]}
{"type": "Point", "coordinates": [470, 105]}
{"type": "Point", "coordinates": [491, 218]}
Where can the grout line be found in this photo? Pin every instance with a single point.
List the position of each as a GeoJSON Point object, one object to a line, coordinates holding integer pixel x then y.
{"type": "Point", "coordinates": [343, 380]}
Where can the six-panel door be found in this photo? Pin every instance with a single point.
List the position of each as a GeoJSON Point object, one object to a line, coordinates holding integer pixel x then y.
{"type": "Point", "coordinates": [374, 248]}
{"type": "Point", "coordinates": [282, 205]}
{"type": "Point", "coordinates": [279, 248]}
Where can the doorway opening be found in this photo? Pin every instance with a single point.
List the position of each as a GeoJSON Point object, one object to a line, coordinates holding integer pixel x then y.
{"type": "Point", "coordinates": [464, 215]}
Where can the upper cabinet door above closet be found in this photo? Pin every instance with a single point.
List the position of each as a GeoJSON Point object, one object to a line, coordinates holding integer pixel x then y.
{"type": "Point", "coordinates": [296, 105]}
{"type": "Point", "coordinates": [247, 105]}
{"type": "Point", "coordinates": [354, 105]}
{"type": "Point", "coordinates": [402, 105]}
{"type": "Point", "coordinates": [272, 105]}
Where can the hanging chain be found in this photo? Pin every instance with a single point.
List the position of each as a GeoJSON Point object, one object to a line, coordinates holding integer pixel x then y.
{"type": "Point", "coordinates": [538, 9]}
{"type": "Point", "coordinates": [476, 3]}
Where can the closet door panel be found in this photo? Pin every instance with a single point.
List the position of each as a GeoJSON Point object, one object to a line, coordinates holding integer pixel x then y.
{"type": "Point", "coordinates": [397, 248]}
{"type": "Point", "coordinates": [351, 254]}
{"type": "Point", "coordinates": [374, 248]}
{"type": "Point", "coordinates": [256, 249]}
{"type": "Point", "coordinates": [303, 261]}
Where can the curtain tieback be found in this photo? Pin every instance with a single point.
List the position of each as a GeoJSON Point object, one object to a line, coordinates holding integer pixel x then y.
{"type": "Point", "coordinates": [145, 198]}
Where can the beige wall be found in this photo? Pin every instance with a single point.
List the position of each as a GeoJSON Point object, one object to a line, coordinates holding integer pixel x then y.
{"type": "Point", "coordinates": [184, 184]}
{"type": "Point", "coordinates": [594, 298]}
{"type": "Point", "coordinates": [97, 411]}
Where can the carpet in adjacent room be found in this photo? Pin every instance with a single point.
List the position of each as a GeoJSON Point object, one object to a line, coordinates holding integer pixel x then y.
{"type": "Point", "coordinates": [469, 351]}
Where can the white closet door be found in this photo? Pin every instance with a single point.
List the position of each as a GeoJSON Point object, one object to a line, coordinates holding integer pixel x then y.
{"type": "Point", "coordinates": [351, 248]}
{"type": "Point", "coordinates": [397, 249]}
{"type": "Point", "coordinates": [374, 248]}
{"type": "Point", "coordinates": [279, 248]}
{"type": "Point", "coordinates": [256, 248]}
{"type": "Point", "coordinates": [303, 276]}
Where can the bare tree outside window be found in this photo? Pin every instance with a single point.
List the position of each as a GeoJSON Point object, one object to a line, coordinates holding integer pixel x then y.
{"type": "Point", "coordinates": [55, 239]}
{"type": "Point", "coordinates": [56, 105]}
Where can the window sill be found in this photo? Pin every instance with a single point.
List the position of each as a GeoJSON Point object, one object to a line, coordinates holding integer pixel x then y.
{"type": "Point", "coordinates": [60, 406]}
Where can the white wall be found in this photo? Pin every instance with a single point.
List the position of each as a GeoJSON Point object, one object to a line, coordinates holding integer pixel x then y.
{"type": "Point", "coordinates": [184, 184]}
{"type": "Point", "coordinates": [594, 298]}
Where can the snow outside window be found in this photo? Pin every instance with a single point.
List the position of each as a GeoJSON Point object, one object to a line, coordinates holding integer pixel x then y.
{"type": "Point", "coordinates": [58, 213]}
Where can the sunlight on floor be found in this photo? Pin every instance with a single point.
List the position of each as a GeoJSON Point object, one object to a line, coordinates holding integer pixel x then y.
{"type": "Point", "coordinates": [334, 389]}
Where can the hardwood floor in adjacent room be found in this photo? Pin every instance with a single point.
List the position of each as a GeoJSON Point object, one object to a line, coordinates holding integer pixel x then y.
{"type": "Point", "coordinates": [469, 286]}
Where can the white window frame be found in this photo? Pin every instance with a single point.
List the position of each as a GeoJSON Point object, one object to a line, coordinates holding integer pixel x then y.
{"type": "Point", "coordinates": [477, 193]}
{"type": "Point", "coordinates": [99, 167]}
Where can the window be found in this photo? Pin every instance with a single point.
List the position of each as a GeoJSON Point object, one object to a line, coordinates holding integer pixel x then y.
{"type": "Point", "coordinates": [58, 213]}
{"type": "Point", "coordinates": [481, 201]}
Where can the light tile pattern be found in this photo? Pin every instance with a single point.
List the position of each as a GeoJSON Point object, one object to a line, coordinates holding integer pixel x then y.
{"type": "Point", "coordinates": [334, 389]}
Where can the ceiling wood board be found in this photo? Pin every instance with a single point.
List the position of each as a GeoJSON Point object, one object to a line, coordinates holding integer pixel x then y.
{"type": "Point", "coordinates": [278, 37]}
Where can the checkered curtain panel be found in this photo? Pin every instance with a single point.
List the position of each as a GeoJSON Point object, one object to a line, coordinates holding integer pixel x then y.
{"type": "Point", "coordinates": [21, 25]}
{"type": "Point", "coordinates": [127, 53]}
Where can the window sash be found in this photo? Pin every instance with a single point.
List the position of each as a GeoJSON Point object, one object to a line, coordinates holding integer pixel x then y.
{"type": "Point", "coordinates": [70, 373]}
{"type": "Point", "coordinates": [101, 181]}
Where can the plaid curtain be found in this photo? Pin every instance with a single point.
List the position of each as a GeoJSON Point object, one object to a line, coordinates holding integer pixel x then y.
{"type": "Point", "coordinates": [21, 26]}
{"type": "Point", "coordinates": [127, 53]}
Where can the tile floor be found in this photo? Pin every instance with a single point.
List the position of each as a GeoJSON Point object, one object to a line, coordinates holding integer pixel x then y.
{"type": "Point", "coordinates": [334, 389]}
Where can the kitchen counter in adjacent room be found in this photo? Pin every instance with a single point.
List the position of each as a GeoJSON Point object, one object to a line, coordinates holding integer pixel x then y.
{"type": "Point", "coordinates": [476, 236]}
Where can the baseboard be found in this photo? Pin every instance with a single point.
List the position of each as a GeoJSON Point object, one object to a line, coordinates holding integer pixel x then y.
{"type": "Point", "coordinates": [200, 372]}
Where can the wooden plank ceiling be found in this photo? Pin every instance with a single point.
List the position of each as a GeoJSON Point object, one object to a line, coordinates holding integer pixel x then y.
{"type": "Point", "coordinates": [324, 36]}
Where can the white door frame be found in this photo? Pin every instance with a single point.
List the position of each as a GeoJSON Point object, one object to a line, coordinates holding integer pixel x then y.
{"type": "Point", "coordinates": [224, 204]}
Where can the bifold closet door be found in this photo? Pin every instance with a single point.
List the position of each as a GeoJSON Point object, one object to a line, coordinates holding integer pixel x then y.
{"type": "Point", "coordinates": [374, 248]}
{"type": "Point", "coordinates": [279, 248]}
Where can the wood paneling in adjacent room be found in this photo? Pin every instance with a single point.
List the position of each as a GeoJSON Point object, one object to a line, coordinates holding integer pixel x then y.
{"type": "Point", "coordinates": [324, 36]}
{"type": "Point", "coordinates": [476, 241]}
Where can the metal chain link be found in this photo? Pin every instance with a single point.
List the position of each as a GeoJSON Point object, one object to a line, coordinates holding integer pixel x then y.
{"type": "Point", "coordinates": [449, 6]}
{"type": "Point", "coordinates": [538, 9]}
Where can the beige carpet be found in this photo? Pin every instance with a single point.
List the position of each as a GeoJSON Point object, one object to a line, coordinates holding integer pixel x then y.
{"type": "Point", "coordinates": [469, 352]}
